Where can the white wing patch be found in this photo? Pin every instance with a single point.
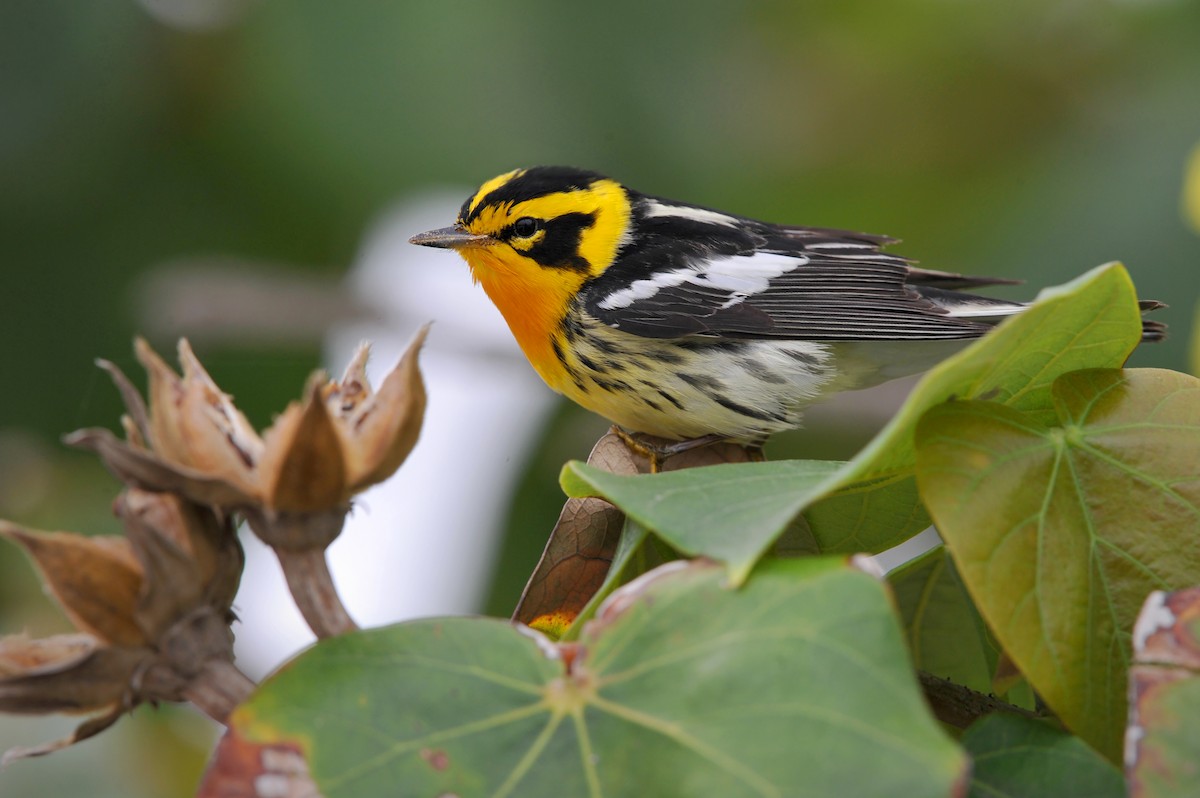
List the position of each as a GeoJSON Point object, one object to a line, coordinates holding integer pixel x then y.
{"type": "Point", "coordinates": [656, 208]}
{"type": "Point", "coordinates": [644, 289]}
{"type": "Point", "coordinates": [744, 274]}
{"type": "Point", "coordinates": [739, 275]}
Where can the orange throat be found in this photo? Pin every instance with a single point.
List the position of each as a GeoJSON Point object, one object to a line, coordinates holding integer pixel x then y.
{"type": "Point", "coordinates": [533, 300]}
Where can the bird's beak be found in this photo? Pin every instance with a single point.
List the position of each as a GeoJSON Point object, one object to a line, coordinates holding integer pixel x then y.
{"type": "Point", "coordinates": [450, 238]}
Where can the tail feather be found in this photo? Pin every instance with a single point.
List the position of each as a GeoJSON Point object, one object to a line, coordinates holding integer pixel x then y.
{"type": "Point", "coordinates": [961, 305]}
{"type": "Point", "coordinates": [1152, 330]}
{"type": "Point", "coordinates": [991, 311]}
{"type": "Point", "coordinates": [950, 280]}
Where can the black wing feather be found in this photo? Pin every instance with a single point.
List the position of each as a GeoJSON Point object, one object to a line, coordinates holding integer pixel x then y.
{"type": "Point", "coordinates": [841, 288]}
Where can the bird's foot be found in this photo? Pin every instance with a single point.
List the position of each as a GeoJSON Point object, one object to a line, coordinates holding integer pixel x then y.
{"type": "Point", "coordinates": [657, 452]}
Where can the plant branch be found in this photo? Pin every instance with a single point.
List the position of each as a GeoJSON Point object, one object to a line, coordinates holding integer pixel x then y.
{"type": "Point", "coordinates": [959, 706]}
{"type": "Point", "coordinates": [312, 588]}
{"type": "Point", "coordinates": [218, 689]}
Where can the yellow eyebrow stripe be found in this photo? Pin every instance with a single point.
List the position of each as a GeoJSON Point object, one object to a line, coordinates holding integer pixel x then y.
{"type": "Point", "coordinates": [492, 185]}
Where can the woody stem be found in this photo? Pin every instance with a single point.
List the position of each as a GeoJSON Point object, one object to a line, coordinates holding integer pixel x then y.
{"type": "Point", "coordinates": [960, 706]}
{"type": "Point", "coordinates": [218, 689]}
{"type": "Point", "coordinates": [311, 584]}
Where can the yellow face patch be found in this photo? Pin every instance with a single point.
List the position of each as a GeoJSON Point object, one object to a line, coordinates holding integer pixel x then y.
{"type": "Point", "coordinates": [604, 200]}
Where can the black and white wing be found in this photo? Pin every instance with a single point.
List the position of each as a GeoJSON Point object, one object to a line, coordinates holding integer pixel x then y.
{"type": "Point", "coordinates": [701, 272]}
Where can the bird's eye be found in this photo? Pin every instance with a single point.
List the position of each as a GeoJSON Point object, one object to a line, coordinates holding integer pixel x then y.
{"type": "Point", "coordinates": [525, 227]}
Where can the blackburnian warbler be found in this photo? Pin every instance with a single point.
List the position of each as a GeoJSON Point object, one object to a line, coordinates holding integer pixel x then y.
{"type": "Point", "coordinates": [687, 323]}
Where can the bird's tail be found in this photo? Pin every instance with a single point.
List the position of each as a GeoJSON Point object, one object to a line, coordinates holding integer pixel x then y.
{"type": "Point", "coordinates": [1152, 330]}
{"type": "Point", "coordinates": [989, 310]}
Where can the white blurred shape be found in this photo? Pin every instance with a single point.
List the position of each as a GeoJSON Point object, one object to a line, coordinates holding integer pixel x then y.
{"type": "Point", "coordinates": [421, 543]}
{"type": "Point", "coordinates": [196, 15]}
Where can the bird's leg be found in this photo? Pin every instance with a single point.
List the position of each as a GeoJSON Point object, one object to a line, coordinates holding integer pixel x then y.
{"type": "Point", "coordinates": [658, 453]}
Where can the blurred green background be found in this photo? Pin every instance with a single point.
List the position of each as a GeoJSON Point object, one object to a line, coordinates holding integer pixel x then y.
{"type": "Point", "coordinates": [1025, 139]}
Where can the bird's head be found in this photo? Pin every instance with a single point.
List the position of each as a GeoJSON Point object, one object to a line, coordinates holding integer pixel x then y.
{"type": "Point", "coordinates": [551, 224]}
{"type": "Point", "coordinates": [532, 238]}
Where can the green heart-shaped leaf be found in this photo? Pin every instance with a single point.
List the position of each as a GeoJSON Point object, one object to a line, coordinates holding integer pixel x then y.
{"type": "Point", "coordinates": [731, 513]}
{"type": "Point", "coordinates": [1060, 532]}
{"type": "Point", "coordinates": [680, 686]}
